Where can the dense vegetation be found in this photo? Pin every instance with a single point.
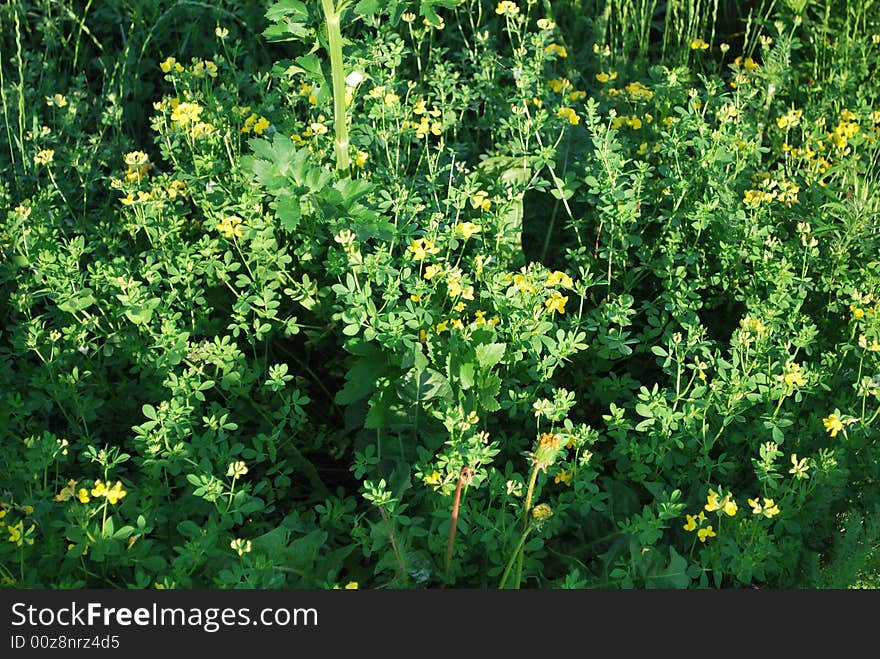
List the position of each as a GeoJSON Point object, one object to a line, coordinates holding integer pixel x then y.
{"type": "Point", "coordinates": [441, 293]}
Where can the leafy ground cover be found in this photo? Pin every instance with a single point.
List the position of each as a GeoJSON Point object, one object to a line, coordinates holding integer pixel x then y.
{"type": "Point", "coordinates": [582, 294]}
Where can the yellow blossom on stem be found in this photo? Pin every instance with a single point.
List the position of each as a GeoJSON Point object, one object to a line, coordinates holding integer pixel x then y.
{"type": "Point", "coordinates": [507, 8]}
{"type": "Point", "coordinates": [705, 533]}
{"type": "Point", "coordinates": [467, 229]}
{"type": "Point", "coordinates": [421, 248]}
{"type": "Point", "coordinates": [564, 476]}
{"type": "Point", "coordinates": [556, 303]}
{"type": "Point", "coordinates": [832, 424]}
{"type": "Point", "coordinates": [556, 49]}
{"type": "Point", "coordinates": [480, 201]}
{"type": "Point", "coordinates": [799, 468]}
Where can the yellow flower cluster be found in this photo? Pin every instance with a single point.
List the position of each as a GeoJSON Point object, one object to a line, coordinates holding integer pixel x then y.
{"type": "Point", "coordinates": [187, 117]}
{"type": "Point", "coordinates": [112, 494]}
{"type": "Point", "coordinates": [231, 227]}
{"type": "Point", "coordinates": [138, 166]}
{"type": "Point", "coordinates": [480, 200]}
{"type": "Point", "coordinates": [420, 248]}
{"type": "Point", "coordinates": [793, 376]}
{"type": "Point", "coordinates": [559, 278]}
{"type": "Point", "coordinates": [606, 77]}
{"type": "Point", "coordinates": [556, 50]}
{"type": "Point", "coordinates": [790, 119]}
{"type": "Point", "coordinates": [727, 504]}
{"type": "Point", "coordinates": [569, 115]}
{"type": "Point", "coordinates": [698, 523]}
{"type": "Point", "coordinates": [699, 44]}
{"type": "Point", "coordinates": [559, 85]}
{"type": "Point", "coordinates": [44, 157]}
{"type": "Point", "coordinates": [633, 122]}
{"type": "Point", "coordinates": [170, 64]}
{"type": "Point", "coordinates": [507, 8]}
{"type": "Point", "coordinates": [638, 91]}
{"type": "Point", "coordinates": [768, 509]}
{"type": "Point", "coordinates": [748, 64]}
{"type": "Point", "coordinates": [564, 476]}
{"type": "Point", "coordinates": [256, 123]}
{"type": "Point", "coordinates": [844, 131]}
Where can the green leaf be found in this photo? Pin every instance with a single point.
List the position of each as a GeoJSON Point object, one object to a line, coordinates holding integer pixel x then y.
{"type": "Point", "coordinates": [466, 375]}
{"type": "Point", "coordinates": [489, 354]}
{"type": "Point", "coordinates": [419, 386]}
{"type": "Point", "coordinates": [287, 20]}
{"type": "Point", "coordinates": [288, 210]}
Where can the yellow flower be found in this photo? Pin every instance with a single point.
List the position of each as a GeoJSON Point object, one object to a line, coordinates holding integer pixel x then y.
{"type": "Point", "coordinates": [832, 424]}
{"type": "Point", "coordinates": [261, 125]}
{"type": "Point", "coordinates": [44, 157]}
{"type": "Point", "coordinates": [136, 159]}
{"type": "Point", "coordinates": [547, 24]}
{"type": "Point", "coordinates": [768, 509]}
{"type": "Point", "coordinates": [442, 326]}
{"type": "Point", "coordinates": [569, 115]}
{"type": "Point", "coordinates": [115, 493]}
{"type": "Point", "coordinates": [432, 271]}
{"type": "Point", "coordinates": [241, 546]}
{"type": "Point", "coordinates": [556, 302]}
{"type": "Point", "coordinates": [237, 469]}
{"type": "Point", "coordinates": [391, 99]}
{"type": "Point", "coordinates": [186, 113]}
{"type": "Point", "coordinates": [707, 532]}
{"type": "Point", "coordinates": [58, 101]}
{"type": "Point", "coordinates": [170, 63]}
{"type": "Point", "coordinates": [564, 476]}
{"type": "Point", "coordinates": [421, 248]}
{"type": "Point", "coordinates": [230, 227]}
{"type": "Point", "coordinates": [558, 278]}
{"type": "Point", "coordinates": [792, 376]}
{"type": "Point", "coordinates": [799, 467]}
{"type": "Point", "coordinates": [83, 495]}
{"type": "Point", "coordinates": [542, 512]}
{"type": "Point", "coordinates": [467, 229]}
{"type": "Point", "coordinates": [100, 489]}
{"type": "Point", "coordinates": [713, 503]}
{"type": "Point", "coordinates": [351, 585]}
{"type": "Point", "coordinates": [360, 159]}
{"type": "Point", "coordinates": [507, 8]}
{"type": "Point", "coordinates": [606, 77]}
{"type": "Point", "coordinates": [699, 44]}
{"type": "Point", "coordinates": [433, 479]}
{"type": "Point", "coordinates": [557, 85]}
{"type": "Point", "coordinates": [480, 200]}
{"type": "Point", "coordinates": [556, 49]}
{"type": "Point", "coordinates": [691, 524]}
{"type": "Point", "coordinates": [67, 492]}
{"type": "Point", "coordinates": [638, 91]}
{"type": "Point", "coordinates": [857, 312]}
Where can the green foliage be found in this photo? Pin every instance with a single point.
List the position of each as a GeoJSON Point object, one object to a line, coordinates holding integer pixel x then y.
{"type": "Point", "coordinates": [439, 294]}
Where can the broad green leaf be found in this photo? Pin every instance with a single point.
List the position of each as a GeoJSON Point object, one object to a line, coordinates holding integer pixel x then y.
{"type": "Point", "coordinates": [489, 354]}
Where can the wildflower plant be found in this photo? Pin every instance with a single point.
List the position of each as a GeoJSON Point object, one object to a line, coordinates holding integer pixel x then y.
{"type": "Point", "coordinates": [439, 293]}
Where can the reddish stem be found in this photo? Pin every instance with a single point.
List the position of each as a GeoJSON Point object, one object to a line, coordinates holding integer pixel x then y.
{"type": "Point", "coordinates": [464, 477]}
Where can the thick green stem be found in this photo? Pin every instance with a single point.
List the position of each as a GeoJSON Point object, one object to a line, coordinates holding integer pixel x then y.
{"type": "Point", "coordinates": [517, 553]}
{"type": "Point", "coordinates": [334, 48]}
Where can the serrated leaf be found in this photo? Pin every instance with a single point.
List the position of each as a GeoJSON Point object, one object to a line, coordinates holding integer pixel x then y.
{"type": "Point", "coordinates": [420, 386]}
{"type": "Point", "coordinates": [489, 354]}
{"type": "Point", "coordinates": [288, 210]}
